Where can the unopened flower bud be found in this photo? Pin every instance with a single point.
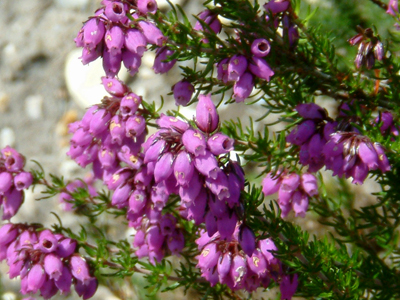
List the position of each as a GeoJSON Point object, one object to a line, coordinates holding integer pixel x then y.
{"type": "Point", "coordinates": [207, 118]}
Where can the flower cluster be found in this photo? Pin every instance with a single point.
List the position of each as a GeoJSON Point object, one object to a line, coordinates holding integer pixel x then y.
{"type": "Point", "coordinates": [45, 261]}
{"type": "Point", "coordinates": [13, 180]}
{"type": "Point", "coordinates": [156, 235]}
{"type": "Point", "coordinates": [354, 155]}
{"type": "Point", "coordinates": [241, 69]}
{"type": "Point", "coordinates": [120, 36]}
{"type": "Point", "coordinates": [109, 133]}
{"type": "Point", "coordinates": [293, 191]}
{"type": "Point", "coordinates": [224, 261]}
{"type": "Point", "coordinates": [190, 162]}
{"type": "Point", "coordinates": [344, 152]}
{"type": "Point", "coordinates": [311, 135]}
{"type": "Point", "coordinates": [369, 48]}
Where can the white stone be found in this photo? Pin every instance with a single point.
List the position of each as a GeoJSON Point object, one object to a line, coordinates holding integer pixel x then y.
{"type": "Point", "coordinates": [9, 296]}
{"type": "Point", "coordinates": [34, 106]}
{"type": "Point", "coordinates": [84, 81]}
{"type": "Point", "coordinates": [69, 168]}
{"type": "Point", "coordinates": [7, 137]}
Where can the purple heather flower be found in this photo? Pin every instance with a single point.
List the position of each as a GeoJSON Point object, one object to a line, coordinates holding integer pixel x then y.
{"type": "Point", "coordinates": [160, 65]}
{"type": "Point", "coordinates": [222, 70]}
{"type": "Point", "coordinates": [89, 55]}
{"type": "Point", "coordinates": [115, 11]}
{"type": "Point", "coordinates": [300, 203]}
{"type": "Point", "coordinates": [191, 191]}
{"type": "Point", "coordinates": [176, 242]}
{"type": "Point", "coordinates": [137, 201]}
{"type": "Point", "coordinates": [207, 165]}
{"type": "Point", "coordinates": [8, 233]}
{"type": "Point", "coordinates": [14, 161]}
{"type": "Point", "coordinates": [271, 184]}
{"type": "Point", "coordinates": [219, 144]}
{"type": "Point", "coordinates": [80, 269]}
{"type": "Point", "coordinates": [48, 289]}
{"type": "Point", "coordinates": [247, 240]}
{"type": "Point", "coordinates": [309, 184]}
{"type": "Point", "coordinates": [53, 266]}
{"type": "Point", "coordinates": [63, 283]}
{"type": "Point", "coordinates": [47, 242]}
{"type": "Point", "coordinates": [132, 62]}
{"type": "Point", "coordinates": [35, 279]}
{"type": "Point", "coordinates": [207, 118]}
{"type": "Point", "coordinates": [114, 40]}
{"type": "Point", "coordinates": [311, 111]}
{"type": "Point", "coordinates": [6, 182]}
{"type": "Point", "coordinates": [147, 6]}
{"type": "Point", "coordinates": [219, 187]}
{"type": "Point", "coordinates": [99, 122]}
{"type": "Point", "coordinates": [260, 68]}
{"type": "Point", "coordinates": [173, 123]}
{"type": "Point", "coordinates": [211, 19]}
{"type": "Point", "coordinates": [243, 87]}
{"type": "Point", "coordinates": [226, 225]}
{"type": "Point", "coordinates": [277, 6]}
{"type": "Point", "coordinates": [236, 67]}
{"type": "Point", "coordinates": [135, 41]}
{"type": "Point", "coordinates": [117, 130]}
{"type": "Point", "coordinates": [153, 35]}
{"type": "Point", "coordinates": [87, 289]}
{"type": "Point", "coordinates": [393, 8]}
{"type": "Point", "coordinates": [81, 137]}
{"type": "Point", "coordinates": [121, 195]}
{"type": "Point", "coordinates": [257, 263]}
{"type": "Point", "coordinates": [111, 63]}
{"type": "Point", "coordinates": [154, 238]}
{"type": "Point", "coordinates": [164, 167]}
{"type": "Point", "coordinates": [208, 257]}
{"type": "Point", "coordinates": [12, 201]}
{"type": "Point", "coordinates": [260, 47]}
{"type": "Point", "coordinates": [183, 91]}
{"type": "Point", "coordinates": [93, 33]}
{"type": "Point", "coordinates": [66, 246]}
{"type": "Point", "coordinates": [130, 104]}
{"type": "Point", "coordinates": [301, 133]}
{"type": "Point", "coordinates": [135, 126]}
{"type": "Point", "coordinates": [288, 286]}
{"type": "Point", "coordinates": [114, 86]}
{"type": "Point", "coordinates": [183, 168]}
{"type": "Point", "coordinates": [194, 142]}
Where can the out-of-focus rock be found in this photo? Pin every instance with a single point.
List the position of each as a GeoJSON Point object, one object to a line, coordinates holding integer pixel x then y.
{"type": "Point", "coordinates": [34, 107]}
{"type": "Point", "coordinates": [84, 81]}
{"type": "Point", "coordinates": [7, 137]}
{"type": "Point", "coordinates": [4, 102]}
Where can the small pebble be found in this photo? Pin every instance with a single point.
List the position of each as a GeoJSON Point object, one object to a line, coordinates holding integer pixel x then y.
{"type": "Point", "coordinates": [34, 106]}
{"type": "Point", "coordinates": [4, 102]}
{"type": "Point", "coordinates": [7, 137]}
